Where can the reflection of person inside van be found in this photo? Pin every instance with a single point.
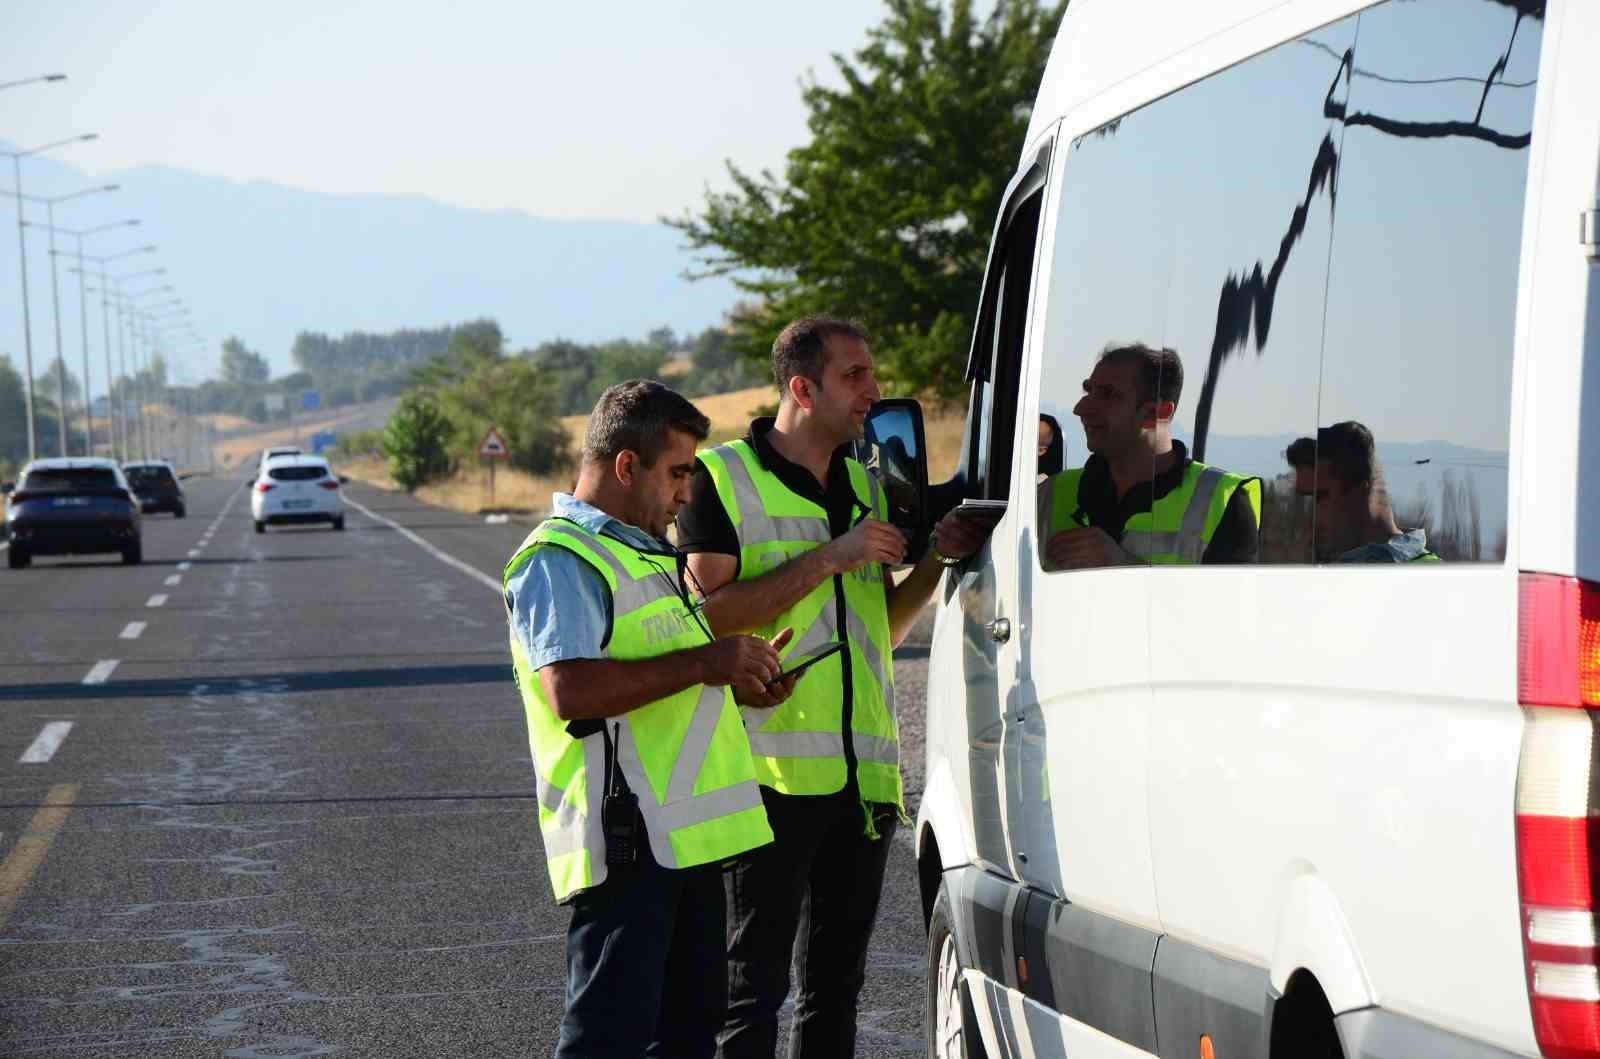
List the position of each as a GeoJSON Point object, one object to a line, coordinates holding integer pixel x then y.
{"type": "Point", "coordinates": [898, 474]}
{"type": "Point", "coordinates": [1355, 521]}
{"type": "Point", "coordinates": [1052, 447]}
{"type": "Point", "coordinates": [1139, 498]}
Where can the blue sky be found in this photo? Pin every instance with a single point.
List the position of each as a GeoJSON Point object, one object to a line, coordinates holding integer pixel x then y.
{"type": "Point", "coordinates": [558, 109]}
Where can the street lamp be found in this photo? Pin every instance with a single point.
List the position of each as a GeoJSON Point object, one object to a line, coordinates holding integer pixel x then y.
{"type": "Point", "coordinates": [140, 341]}
{"type": "Point", "coordinates": [106, 297]}
{"type": "Point", "coordinates": [55, 306]}
{"type": "Point", "coordinates": [83, 327]}
{"type": "Point", "coordinates": [22, 253]}
{"type": "Point", "coordinates": [127, 335]}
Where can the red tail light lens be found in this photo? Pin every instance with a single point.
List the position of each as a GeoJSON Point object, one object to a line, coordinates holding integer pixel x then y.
{"type": "Point", "coordinates": [264, 487]}
{"type": "Point", "coordinates": [329, 483]}
{"type": "Point", "coordinates": [1558, 809]}
{"type": "Point", "coordinates": [20, 498]}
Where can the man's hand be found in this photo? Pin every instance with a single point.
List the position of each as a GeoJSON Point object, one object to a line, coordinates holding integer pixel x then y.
{"type": "Point", "coordinates": [871, 541]}
{"type": "Point", "coordinates": [1085, 549]}
{"type": "Point", "coordinates": [766, 694]}
{"type": "Point", "coordinates": [740, 661]}
{"type": "Point", "coordinates": [958, 536]}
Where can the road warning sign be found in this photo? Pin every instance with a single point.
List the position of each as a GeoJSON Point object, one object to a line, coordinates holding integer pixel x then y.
{"type": "Point", "coordinates": [493, 446]}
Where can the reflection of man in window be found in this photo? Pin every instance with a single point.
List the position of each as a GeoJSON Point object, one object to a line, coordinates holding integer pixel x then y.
{"type": "Point", "coordinates": [1355, 521]}
{"type": "Point", "coordinates": [1139, 498]}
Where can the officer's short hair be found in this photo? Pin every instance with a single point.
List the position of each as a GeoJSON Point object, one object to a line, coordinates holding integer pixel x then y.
{"type": "Point", "coordinates": [1351, 452]}
{"type": "Point", "coordinates": [802, 347]}
{"type": "Point", "coordinates": [1158, 373]}
{"type": "Point", "coordinates": [1302, 453]}
{"type": "Point", "coordinates": [636, 415]}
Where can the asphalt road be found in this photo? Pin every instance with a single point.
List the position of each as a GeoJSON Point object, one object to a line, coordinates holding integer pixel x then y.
{"type": "Point", "coordinates": [296, 818]}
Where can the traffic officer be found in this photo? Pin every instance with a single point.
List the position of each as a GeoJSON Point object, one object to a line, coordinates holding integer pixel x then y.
{"type": "Point", "coordinates": [644, 777]}
{"type": "Point", "coordinates": [783, 530]}
{"type": "Point", "coordinates": [1139, 498]}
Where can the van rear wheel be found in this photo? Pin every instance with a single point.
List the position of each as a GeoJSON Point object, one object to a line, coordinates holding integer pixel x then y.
{"type": "Point", "coordinates": [17, 558]}
{"type": "Point", "coordinates": [949, 1030]}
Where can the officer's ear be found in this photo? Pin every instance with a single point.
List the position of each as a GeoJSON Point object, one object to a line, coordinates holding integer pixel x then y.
{"type": "Point", "coordinates": [1158, 412]}
{"type": "Point", "coordinates": [626, 465]}
{"type": "Point", "coordinates": [800, 391]}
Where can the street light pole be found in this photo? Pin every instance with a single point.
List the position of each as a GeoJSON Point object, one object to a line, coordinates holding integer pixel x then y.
{"type": "Point", "coordinates": [22, 254]}
{"type": "Point", "coordinates": [119, 445]}
{"type": "Point", "coordinates": [55, 306]}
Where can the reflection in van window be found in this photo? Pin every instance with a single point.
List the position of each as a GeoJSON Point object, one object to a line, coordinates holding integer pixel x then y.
{"type": "Point", "coordinates": [1327, 234]}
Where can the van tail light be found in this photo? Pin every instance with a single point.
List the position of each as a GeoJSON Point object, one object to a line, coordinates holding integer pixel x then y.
{"type": "Point", "coordinates": [1558, 809]}
{"type": "Point", "coordinates": [329, 483]}
{"type": "Point", "coordinates": [21, 498]}
{"type": "Point", "coordinates": [264, 487]}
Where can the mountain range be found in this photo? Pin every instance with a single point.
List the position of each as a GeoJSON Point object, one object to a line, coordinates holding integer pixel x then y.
{"type": "Point", "coordinates": [264, 262]}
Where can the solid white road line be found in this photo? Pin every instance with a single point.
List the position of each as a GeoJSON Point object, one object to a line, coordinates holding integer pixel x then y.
{"type": "Point", "coordinates": [174, 579]}
{"type": "Point", "coordinates": [444, 557]}
{"type": "Point", "coordinates": [185, 565]}
{"type": "Point", "coordinates": [134, 630]}
{"type": "Point", "coordinates": [44, 748]}
{"type": "Point", "coordinates": [156, 600]}
{"type": "Point", "coordinates": [4, 545]}
{"type": "Point", "coordinates": [100, 672]}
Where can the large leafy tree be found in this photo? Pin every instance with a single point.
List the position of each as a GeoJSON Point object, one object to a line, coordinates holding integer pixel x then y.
{"type": "Point", "coordinates": [242, 365]}
{"type": "Point", "coordinates": [886, 214]}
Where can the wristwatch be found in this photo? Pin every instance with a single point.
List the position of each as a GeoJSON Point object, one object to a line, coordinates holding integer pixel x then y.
{"type": "Point", "coordinates": [941, 558]}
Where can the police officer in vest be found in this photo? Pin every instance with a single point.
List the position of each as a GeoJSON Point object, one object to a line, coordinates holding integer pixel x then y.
{"type": "Point", "coordinates": [644, 777]}
{"type": "Point", "coordinates": [1139, 498]}
{"type": "Point", "coordinates": [784, 530]}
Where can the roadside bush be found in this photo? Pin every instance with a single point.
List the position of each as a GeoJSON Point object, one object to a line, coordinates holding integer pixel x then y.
{"type": "Point", "coordinates": [358, 444]}
{"type": "Point", "coordinates": [417, 441]}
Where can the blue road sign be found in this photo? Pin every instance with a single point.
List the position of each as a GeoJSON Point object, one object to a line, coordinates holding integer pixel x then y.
{"type": "Point", "coordinates": [310, 401]}
{"type": "Point", "coordinates": [323, 439]}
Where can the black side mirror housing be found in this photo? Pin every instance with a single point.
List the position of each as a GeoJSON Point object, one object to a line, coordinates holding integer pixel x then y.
{"type": "Point", "coordinates": [895, 451]}
{"type": "Point", "coordinates": [344, 479]}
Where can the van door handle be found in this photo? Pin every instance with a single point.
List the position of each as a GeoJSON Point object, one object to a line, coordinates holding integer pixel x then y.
{"type": "Point", "coordinates": [1000, 630]}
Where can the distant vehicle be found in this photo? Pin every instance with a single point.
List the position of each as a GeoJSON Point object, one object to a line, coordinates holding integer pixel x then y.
{"type": "Point", "coordinates": [295, 488]}
{"type": "Point", "coordinates": [75, 506]}
{"type": "Point", "coordinates": [156, 484]}
{"type": "Point", "coordinates": [273, 453]}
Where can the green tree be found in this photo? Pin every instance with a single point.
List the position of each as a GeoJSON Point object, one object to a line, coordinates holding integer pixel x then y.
{"type": "Point", "coordinates": [886, 214]}
{"type": "Point", "coordinates": [417, 440]}
{"type": "Point", "coordinates": [242, 365]}
{"type": "Point", "coordinates": [46, 383]}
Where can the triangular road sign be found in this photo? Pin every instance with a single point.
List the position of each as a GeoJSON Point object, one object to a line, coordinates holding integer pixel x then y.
{"type": "Point", "coordinates": [493, 446]}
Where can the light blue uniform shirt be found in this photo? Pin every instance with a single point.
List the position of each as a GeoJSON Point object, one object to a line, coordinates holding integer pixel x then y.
{"type": "Point", "coordinates": [560, 606]}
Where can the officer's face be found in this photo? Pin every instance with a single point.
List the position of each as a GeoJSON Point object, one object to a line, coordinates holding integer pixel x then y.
{"type": "Point", "coordinates": [1109, 409]}
{"type": "Point", "coordinates": [659, 491]}
{"type": "Point", "coordinates": [848, 390]}
{"type": "Point", "coordinates": [1341, 509]}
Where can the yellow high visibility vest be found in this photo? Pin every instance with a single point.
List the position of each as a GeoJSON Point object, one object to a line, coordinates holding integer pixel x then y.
{"type": "Point", "coordinates": [685, 757]}
{"type": "Point", "coordinates": [1176, 529]}
{"type": "Point", "coordinates": [800, 746]}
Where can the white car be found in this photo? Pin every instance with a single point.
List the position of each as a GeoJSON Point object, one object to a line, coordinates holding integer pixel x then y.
{"type": "Point", "coordinates": [274, 453]}
{"type": "Point", "coordinates": [1320, 799]}
{"type": "Point", "coordinates": [297, 489]}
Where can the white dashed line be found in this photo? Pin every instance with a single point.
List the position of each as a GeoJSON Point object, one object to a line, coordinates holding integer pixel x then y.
{"type": "Point", "coordinates": [100, 672]}
{"type": "Point", "coordinates": [156, 600]}
{"type": "Point", "coordinates": [44, 748]}
{"type": "Point", "coordinates": [134, 630]}
{"type": "Point", "coordinates": [173, 580]}
{"type": "Point", "coordinates": [193, 552]}
{"type": "Point", "coordinates": [444, 557]}
{"type": "Point", "coordinates": [185, 565]}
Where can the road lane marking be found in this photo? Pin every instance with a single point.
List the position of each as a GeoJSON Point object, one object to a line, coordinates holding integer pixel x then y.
{"type": "Point", "coordinates": [45, 745]}
{"type": "Point", "coordinates": [193, 552]}
{"type": "Point", "coordinates": [186, 565]}
{"type": "Point", "coordinates": [173, 580]}
{"type": "Point", "coordinates": [17, 871]}
{"type": "Point", "coordinates": [100, 672]}
{"type": "Point", "coordinates": [4, 545]}
{"type": "Point", "coordinates": [156, 600]}
{"type": "Point", "coordinates": [443, 557]}
{"type": "Point", "coordinates": [134, 630]}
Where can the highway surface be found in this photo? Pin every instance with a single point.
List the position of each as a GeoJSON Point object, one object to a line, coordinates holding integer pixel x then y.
{"type": "Point", "coordinates": [269, 796]}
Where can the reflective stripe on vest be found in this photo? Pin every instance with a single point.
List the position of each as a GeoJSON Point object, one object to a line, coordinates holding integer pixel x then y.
{"type": "Point", "coordinates": [684, 756]}
{"type": "Point", "coordinates": [1181, 524]}
{"type": "Point", "coordinates": [799, 746]}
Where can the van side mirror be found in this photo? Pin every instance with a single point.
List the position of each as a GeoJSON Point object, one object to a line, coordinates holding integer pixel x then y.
{"type": "Point", "coordinates": [895, 451]}
{"type": "Point", "coordinates": [344, 479]}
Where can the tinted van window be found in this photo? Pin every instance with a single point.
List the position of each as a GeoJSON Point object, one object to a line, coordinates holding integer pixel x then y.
{"type": "Point", "coordinates": [1317, 250]}
{"type": "Point", "coordinates": [70, 480]}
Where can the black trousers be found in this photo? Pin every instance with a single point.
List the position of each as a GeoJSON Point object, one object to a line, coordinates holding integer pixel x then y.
{"type": "Point", "coordinates": [646, 966]}
{"type": "Point", "coordinates": [811, 894]}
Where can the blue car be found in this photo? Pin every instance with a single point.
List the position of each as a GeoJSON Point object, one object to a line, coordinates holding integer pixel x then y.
{"type": "Point", "coordinates": [72, 506]}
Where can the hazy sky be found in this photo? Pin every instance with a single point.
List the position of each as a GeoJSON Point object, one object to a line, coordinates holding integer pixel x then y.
{"type": "Point", "coordinates": [562, 110]}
